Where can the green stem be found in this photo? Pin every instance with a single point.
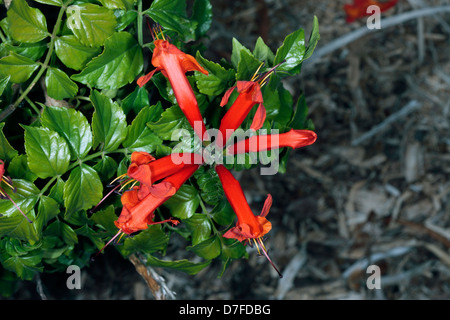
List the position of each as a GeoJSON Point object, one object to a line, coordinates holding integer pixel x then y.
{"type": "Point", "coordinates": [31, 103]}
{"type": "Point", "coordinates": [205, 211]}
{"type": "Point", "coordinates": [139, 24]}
{"type": "Point", "coordinates": [2, 36]}
{"type": "Point", "coordinates": [44, 66]}
{"type": "Point", "coordinates": [76, 163]}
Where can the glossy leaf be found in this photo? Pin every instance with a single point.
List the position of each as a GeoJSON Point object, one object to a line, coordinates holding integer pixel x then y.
{"type": "Point", "coordinates": [74, 54]}
{"type": "Point", "coordinates": [119, 64]}
{"type": "Point", "coordinates": [140, 137]}
{"type": "Point", "coordinates": [202, 14]}
{"type": "Point", "coordinates": [17, 67]}
{"type": "Point", "coordinates": [136, 100]}
{"type": "Point", "coordinates": [149, 240]}
{"type": "Point", "coordinates": [90, 23]}
{"type": "Point", "coordinates": [171, 15]}
{"type": "Point", "coordinates": [171, 119]}
{"type": "Point", "coordinates": [292, 52]}
{"type": "Point", "coordinates": [82, 190]}
{"type": "Point", "coordinates": [108, 122]}
{"type": "Point", "coordinates": [48, 153]}
{"type": "Point", "coordinates": [59, 86]}
{"type": "Point", "coordinates": [313, 39]}
{"type": "Point", "coordinates": [184, 202]}
{"type": "Point", "coordinates": [33, 51]}
{"type": "Point", "coordinates": [18, 168]}
{"type": "Point", "coordinates": [73, 126]}
{"type": "Point", "coordinates": [200, 227]}
{"type": "Point", "coordinates": [207, 249]}
{"type": "Point", "coordinates": [26, 24]}
{"type": "Point", "coordinates": [218, 79]}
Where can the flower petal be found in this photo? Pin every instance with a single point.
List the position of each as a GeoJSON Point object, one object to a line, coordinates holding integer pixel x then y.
{"type": "Point", "coordinates": [259, 118]}
{"type": "Point", "coordinates": [144, 79]}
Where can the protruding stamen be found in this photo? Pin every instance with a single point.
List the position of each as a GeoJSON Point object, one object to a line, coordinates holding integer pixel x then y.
{"type": "Point", "coordinates": [256, 72]}
{"type": "Point", "coordinates": [263, 248]}
{"type": "Point", "coordinates": [3, 193]}
{"type": "Point", "coordinates": [111, 240]}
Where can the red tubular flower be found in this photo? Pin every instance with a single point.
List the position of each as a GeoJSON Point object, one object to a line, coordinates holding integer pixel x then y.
{"type": "Point", "coordinates": [248, 226]}
{"type": "Point", "coordinates": [174, 63]}
{"type": "Point", "coordinates": [358, 9]}
{"type": "Point", "coordinates": [147, 170]}
{"type": "Point", "coordinates": [8, 182]}
{"type": "Point", "coordinates": [139, 203]}
{"type": "Point", "coordinates": [293, 139]}
{"type": "Point", "coordinates": [249, 95]}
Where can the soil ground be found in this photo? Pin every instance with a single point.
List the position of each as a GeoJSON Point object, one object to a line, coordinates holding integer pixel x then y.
{"type": "Point", "coordinates": [373, 190]}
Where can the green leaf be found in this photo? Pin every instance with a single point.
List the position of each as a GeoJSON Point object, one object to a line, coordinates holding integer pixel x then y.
{"type": "Point", "coordinates": [72, 53]}
{"type": "Point", "coordinates": [108, 122]}
{"type": "Point", "coordinates": [171, 15]}
{"type": "Point", "coordinates": [200, 226]}
{"type": "Point", "coordinates": [18, 168]}
{"type": "Point", "coordinates": [218, 79]}
{"type": "Point", "coordinates": [26, 24]}
{"type": "Point", "coordinates": [223, 213]}
{"type": "Point", "coordinates": [48, 209]}
{"type": "Point", "coordinates": [184, 202]}
{"type": "Point", "coordinates": [149, 240]}
{"type": "Point", "coordinates": [48, 153]}
{"type": "Point", "coordinates": [118, 65]}
{"type": "Point", "coordinates": [236, 52]}
{"type": "Point", "coordinates": [171, 119]}
{"type": "Point", "coordinates": [262, 52]}
{"type": "Point", "coordinates": [208, 249]}
{"type": "Point", "coordinates": [140, 137]}
{"type": "Point", "coordinates": [25, 266]}
{"type": "Point", "coordinates": [124, 18]}
{"type": "Point", "coordinates": [300, 116]}
{"type": "Point", "coordinates": [82, 190]}
{"type": "Point", "coordinates": [292, 52]}
{"type": "Point", "coordinates": [57, 191]}
{"type": "Point", "coordinates": [90, 23]}
{"type": "Point", "coordinates": [6, 151]}
{"type": "Point", "coordinates": [57, 3]}
{"type": "Point", "coordinates": [17, 67]}
{"type": "Point", "coordinates": [12, 222]}
{"type": "Point", "coordinates": [118, 4]}
{"type": "Point", "coordinates": [202, 14]}
{"type": "Point", "coordinates": [106, 218]}
{"type": "Point", "coordinates": [3, 84]}
{"type": "Point", "coordinates": [181, 265]}
{"type": "Point", "coordinates": [59, 86]}
{"type": "Point", "coordinates": [136, 100]}
{"type": "Point", "coordinates": [247, 66]}
{"type": "Point", "coordinates": [73, 126]}
{"type": "Point", "coordinates": [106, 167]}
{"type": "Point", "coordinates": [313, 39]}
{"type": "Point", "coordinates": [34, 51]}
{"type": "Point", "coordinates": [210, 186]}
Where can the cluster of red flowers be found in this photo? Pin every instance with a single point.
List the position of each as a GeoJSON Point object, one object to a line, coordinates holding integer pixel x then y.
{"type": "Point", "coordinates": [160, 179]}
{"type": "Point", "coordinates": [358, 9]}
{"type": "Point", "coordinates": [153, 181]}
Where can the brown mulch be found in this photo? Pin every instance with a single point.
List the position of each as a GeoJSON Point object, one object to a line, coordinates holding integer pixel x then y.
{"type": "Point", "coordinates": [343, 204]}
